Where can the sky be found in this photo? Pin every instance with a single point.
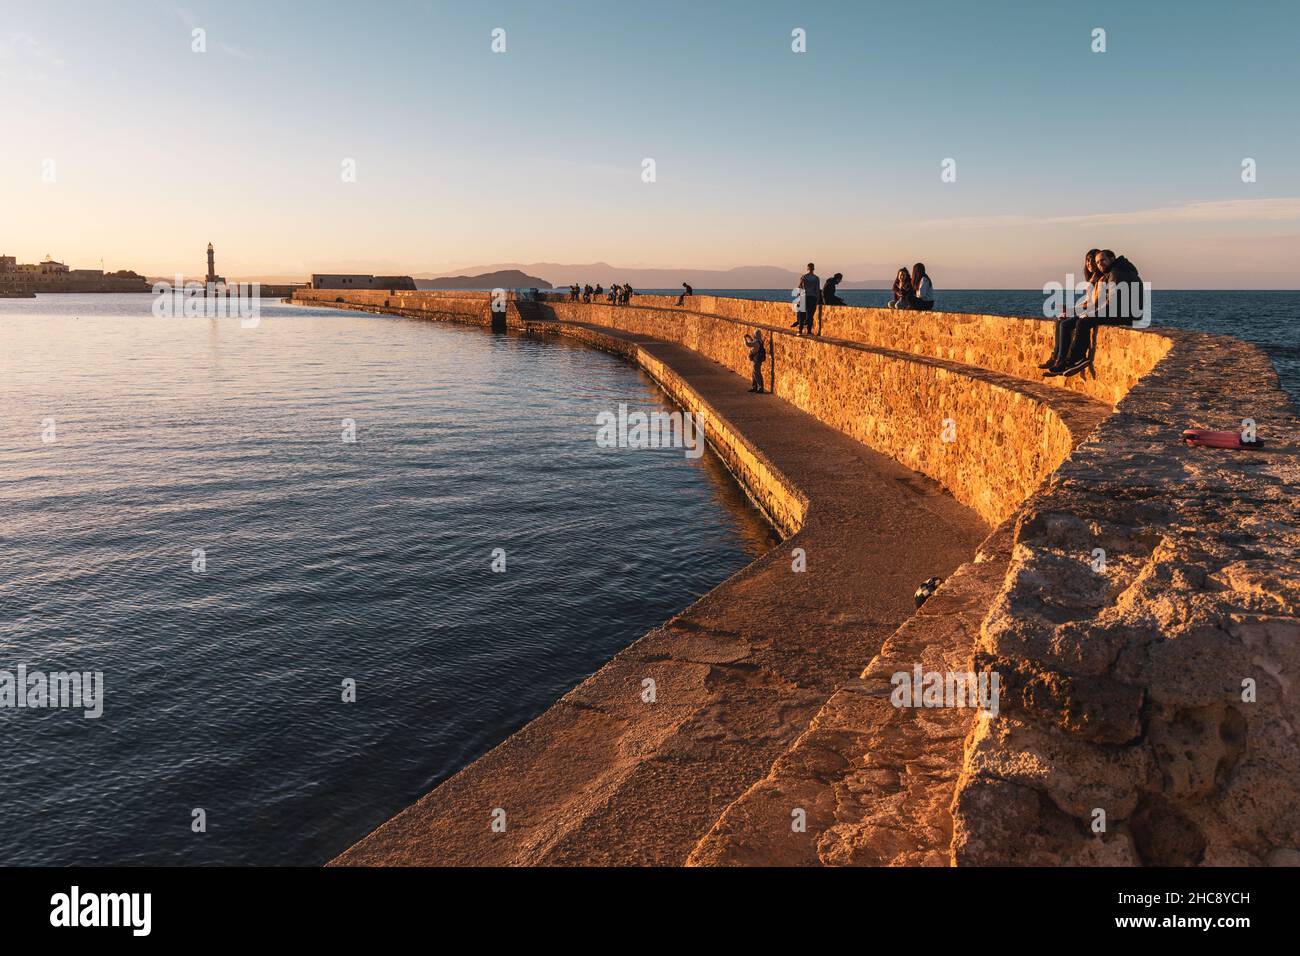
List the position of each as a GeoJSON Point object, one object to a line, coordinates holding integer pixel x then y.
{"type": "Point", "coordinates": [123, 143]}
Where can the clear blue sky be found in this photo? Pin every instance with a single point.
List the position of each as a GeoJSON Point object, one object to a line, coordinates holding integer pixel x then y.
{"type": "Point", "coordinates": [763, 156]}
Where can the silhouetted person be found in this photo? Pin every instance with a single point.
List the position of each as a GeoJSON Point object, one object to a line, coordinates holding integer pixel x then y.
{"type": "Point", "coordinates": [829, 294]}
{"type": "Point", "coordinates": [922, 288]}
{"type": "Point", "coordinates": [810, 288]}
{"type": "Point", "coordinates": [757, 353]}
{"type": "Point", "coordinates": [688, 291]}
{"type": "Point", "coordinates": [586, 292]}
{"type": "Point", "coordinates": [598, 290]}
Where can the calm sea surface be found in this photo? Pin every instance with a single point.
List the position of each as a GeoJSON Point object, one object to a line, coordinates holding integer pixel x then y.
{"type": "Point", "coordinates": [1269, 319]}
{"type": "Point", "coordinates": [326, 561]}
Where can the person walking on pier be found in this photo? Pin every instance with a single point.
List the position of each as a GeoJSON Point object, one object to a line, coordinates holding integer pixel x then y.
{"type": "Point", "coordinates": [757, 353]}
{"type": "Point", "coordinates": [810, 294]}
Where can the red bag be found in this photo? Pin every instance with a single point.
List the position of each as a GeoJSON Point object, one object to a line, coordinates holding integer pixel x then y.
{"type": "Point", "coordinates": [1209, 439]}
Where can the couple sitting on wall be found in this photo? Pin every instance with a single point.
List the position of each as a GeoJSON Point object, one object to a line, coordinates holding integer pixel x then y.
{"type": "Point", "coordinates": [914, 291]}
{"type": "Point", "coordinates": [1116, 296]}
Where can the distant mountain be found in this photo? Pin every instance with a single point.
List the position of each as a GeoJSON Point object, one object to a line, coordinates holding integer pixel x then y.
{"type": "Point", "coordinates": [742, 277]}
{"type": "Point", "coordinates": [503, 279]}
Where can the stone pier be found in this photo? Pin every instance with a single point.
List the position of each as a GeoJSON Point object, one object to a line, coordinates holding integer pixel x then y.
{"type": "Point", "coordinates": [1137, 598]}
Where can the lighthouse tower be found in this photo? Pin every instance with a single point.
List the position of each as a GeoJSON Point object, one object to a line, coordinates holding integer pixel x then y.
{"type": "Point", "coordinates": [213, 279]}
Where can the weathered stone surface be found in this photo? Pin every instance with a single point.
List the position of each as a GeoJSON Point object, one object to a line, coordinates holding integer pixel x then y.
{"type": "Point", "coordinates": [1141, 666]}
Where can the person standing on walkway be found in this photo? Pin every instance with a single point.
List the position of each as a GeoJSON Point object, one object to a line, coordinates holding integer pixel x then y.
{"type": "Point", "coordinates": [757, 353]}
{"type": "Point", "coordinates": [810, 293]}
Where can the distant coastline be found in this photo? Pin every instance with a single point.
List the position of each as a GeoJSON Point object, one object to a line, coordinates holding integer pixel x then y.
{"type": "Point", "coordinates": [21, 278]}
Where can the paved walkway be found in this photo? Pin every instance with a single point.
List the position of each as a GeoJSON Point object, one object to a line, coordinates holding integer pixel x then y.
{"type": "Point", "coordinates": [604, 778]}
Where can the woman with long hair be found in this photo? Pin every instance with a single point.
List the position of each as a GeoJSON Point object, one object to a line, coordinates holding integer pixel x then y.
{"type": "Point", "coordinates": [1065, 321]}
{"type": "Point", "coordinates": [922, 287]}
{"type": "Point", "coordinates": [902, 290]}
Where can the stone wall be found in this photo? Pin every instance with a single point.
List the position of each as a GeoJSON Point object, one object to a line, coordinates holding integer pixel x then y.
{"type": "Point", "coordinates": [1149, 714]}
{"type": "Point", "coordinates": [1013, 346]}
{"type": "Point", "coordinates": [1007, 435]}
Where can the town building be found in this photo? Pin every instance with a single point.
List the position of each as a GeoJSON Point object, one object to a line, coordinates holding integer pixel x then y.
{"type": "Point", "coordinates": [49, 275]}
{"type": "Point", "coordinates": [320, 280]}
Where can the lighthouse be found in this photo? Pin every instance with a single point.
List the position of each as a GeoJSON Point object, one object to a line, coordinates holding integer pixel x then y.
{"type": "Point", "coordinates": [213, 280]}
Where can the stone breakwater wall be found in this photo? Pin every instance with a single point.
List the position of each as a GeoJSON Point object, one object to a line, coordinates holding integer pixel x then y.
{"type": "Point", "coordinates": [987, 438]}
{"type": "Point", "coordinates": [1148, 711]}
{"type": "Point", "coordinates": [1160, 691]}
{"type": "Point", "coordinates": [1010, 345]}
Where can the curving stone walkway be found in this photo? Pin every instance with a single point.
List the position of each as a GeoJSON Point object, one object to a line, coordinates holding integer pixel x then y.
{"type": "Point", "coordinates": [605, 778]}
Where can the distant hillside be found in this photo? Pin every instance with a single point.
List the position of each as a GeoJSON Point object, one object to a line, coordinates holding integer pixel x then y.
{"type": "Point", "coordinates": [506, 279]}
{"type": "Point", "coordinates": [742, 277]}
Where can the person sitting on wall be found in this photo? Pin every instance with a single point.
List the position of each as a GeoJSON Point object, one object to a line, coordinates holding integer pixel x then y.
{"type": "Point", "coordinates": [903, 296]}
{"type": "Point", "coordinates": [688, 291]}
{"type": "Point", "coordinates": [922, 288]}
{"type": "Point", "coordinates": [757, 353]}
{"type": "Point", "coordinates": [1064, 327]}
{"type": "Point", "coordinates": [829, 294]}
{"type": "Point", "coordinates": [1119, 300]}
{"type": "Point", "coordinates": [598, 291]}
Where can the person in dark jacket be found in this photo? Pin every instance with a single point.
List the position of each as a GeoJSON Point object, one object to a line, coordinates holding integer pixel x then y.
{"type": "Point", "coordinates": [1119, 299]}
{"type": "Point", "coordinates": [757, 353]}
{"type": "Point", "coordinates": [829, 293]}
